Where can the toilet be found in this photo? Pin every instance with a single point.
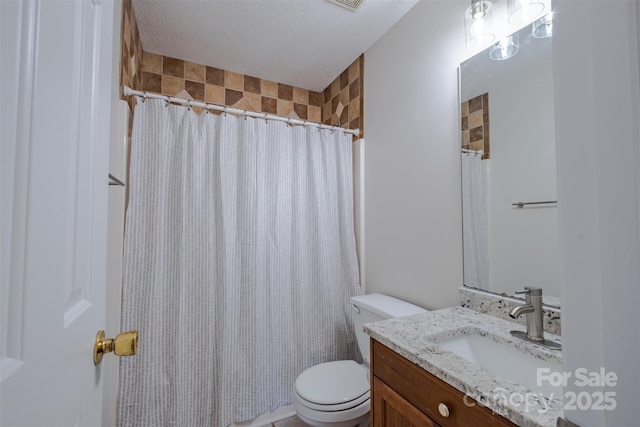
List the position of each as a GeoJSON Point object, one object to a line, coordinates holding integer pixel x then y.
{"type": "Point", "coordinates": [336, 394]}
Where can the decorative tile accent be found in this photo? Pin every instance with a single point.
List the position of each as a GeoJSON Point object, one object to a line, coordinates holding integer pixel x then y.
{"type": "Point", "coordinates": [215, 76]}
{"type": "Point", "coordinates": [340, 103]}
{"type": "Point", "coordinates": [221, 87]}
{"type": "Point", "coordinates": [172, 67]}
{"type": "Point", "coordinates": [354, 71]}
{"type": "Point", "coordinates": [345, 91]}
{"type": "Point", "coordinates": [301, 96]}
{"type": "Point", "coordinates": [344, 79]}
{"type": "Point", "coordinates": [131, 58]}
{"type": "Point", "coordinates": [301, 110]}
{"type": "Point", "coordinates": [152, 63]}
{"type": "Point", "coordinates": [151, 82]}
{"type": "Point", "coordinates": [285, 92]}
{"type": "Point", "coordinates": [233, 81]}
{"type": "Point", "coordinates": [195, 89]}
{"type": "Point", "coordinates": [269, 88]}
{"type": "Point", "coordinates": [254, 100]}
{"type": "Point", "coordinates": [269, 105]}
{"type": "Point", "coordinates": [475, 124]}
{"type": "Point", "coordinates": [194, 72]}
{"type": "Point", "coordinates": [214, 94]}
{"type": "Point", "coordinates": [285, 107]}
{"type": "Point", "coordinates": [172, 85]}
{"type": "Point", "coordinates": [252, 84]}
{"type": "Point", "coordinates": [232, 96]}
{"type": "Point", "coordinates": [314, 114]}
{"type": "Point", "coordinates": [316, 99]}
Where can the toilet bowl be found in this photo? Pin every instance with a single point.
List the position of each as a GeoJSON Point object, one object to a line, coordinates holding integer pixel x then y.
{"type": "Point", "coordinates": [337, 394]}
{"type": "Point", "coordinates": [333, 394]}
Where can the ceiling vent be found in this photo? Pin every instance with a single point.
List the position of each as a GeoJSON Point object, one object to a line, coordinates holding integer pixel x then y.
{"type": "Point", "coordinates": [352, 5]}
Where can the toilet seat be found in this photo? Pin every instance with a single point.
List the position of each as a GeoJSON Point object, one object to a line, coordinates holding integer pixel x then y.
{"type": "Point", "coordinates": [333, 394]}
{"type": "Point", "coordinates": [335, 418]}
{"type": "Point", "coordinates": [333, 386]}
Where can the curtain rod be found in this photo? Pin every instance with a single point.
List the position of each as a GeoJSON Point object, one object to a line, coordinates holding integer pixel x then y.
{"type": "Point", "coordinates": [464, 150]}
{"type": "Point", "coordinates": [151, 95]}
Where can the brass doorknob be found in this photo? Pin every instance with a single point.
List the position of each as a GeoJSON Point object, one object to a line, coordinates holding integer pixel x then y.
{"type": "Point", "coordinates": [124, 344]}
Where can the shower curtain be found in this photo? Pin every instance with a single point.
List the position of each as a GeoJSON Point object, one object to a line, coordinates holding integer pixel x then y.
{"type": "Point", "coordinates": [474, 222]}
{"type": "Point", "coordinates": [238, 266]}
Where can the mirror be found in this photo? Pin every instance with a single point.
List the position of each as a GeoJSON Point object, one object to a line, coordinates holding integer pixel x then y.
{"type": "Point", "coordinates": [510, 224]}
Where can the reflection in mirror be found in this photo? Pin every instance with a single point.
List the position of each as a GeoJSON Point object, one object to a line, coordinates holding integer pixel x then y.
{"type": "Point", "coordinates": [508, 162]}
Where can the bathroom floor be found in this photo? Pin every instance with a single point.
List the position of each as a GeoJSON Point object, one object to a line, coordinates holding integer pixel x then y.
{"type": "Point", "coordinates": [289, 422]}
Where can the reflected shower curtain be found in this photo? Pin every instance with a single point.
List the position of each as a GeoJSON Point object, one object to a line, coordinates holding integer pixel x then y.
{"type": "Point", "coordinates": [238, 267]}
{"type": "Point", "coordinates": [474, 223]}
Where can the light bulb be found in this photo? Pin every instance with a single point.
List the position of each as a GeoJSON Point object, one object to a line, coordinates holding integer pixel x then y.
{"type": "Point", "coordinates": [478, 24]}
{"type": "Point", "coordinates": [505, 48]}
{"type": "Point", "coordinates": [543, 27]}
{"type": "Point", "coordinates": [523, 11]}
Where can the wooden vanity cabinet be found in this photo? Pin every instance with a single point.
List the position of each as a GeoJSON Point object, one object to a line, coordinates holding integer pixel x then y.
{"type": "Point", "coordinates": [404, 394]}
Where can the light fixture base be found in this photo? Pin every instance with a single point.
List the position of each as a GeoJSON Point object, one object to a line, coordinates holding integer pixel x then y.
{"type": "Point", "coordinates": [522, 12]}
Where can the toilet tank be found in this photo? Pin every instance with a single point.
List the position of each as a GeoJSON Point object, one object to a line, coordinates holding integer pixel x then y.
{"type": "Point", "coordinates": [374, 307]}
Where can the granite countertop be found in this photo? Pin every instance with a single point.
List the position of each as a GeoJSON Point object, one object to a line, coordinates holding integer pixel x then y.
{"type": "Point", "coordinates": [413, 336]}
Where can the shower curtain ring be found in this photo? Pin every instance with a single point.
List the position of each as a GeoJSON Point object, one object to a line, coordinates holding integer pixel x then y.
{"type": "Point", "coordinates": [189, 104]}
{"type": "Point", "coordinates": [167, 101]}
{"type": "Point", "coordinates": [144, 97]}
{"type": "Point", "coordinates": [244, 113]}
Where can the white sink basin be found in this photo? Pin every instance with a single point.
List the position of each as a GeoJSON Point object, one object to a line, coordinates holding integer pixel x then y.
{"type": "Point", "coordinates": [503, 359]}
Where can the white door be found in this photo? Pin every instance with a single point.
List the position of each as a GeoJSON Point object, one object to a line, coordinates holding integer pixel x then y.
{"type": "Point", "coordinates": [56, 94]}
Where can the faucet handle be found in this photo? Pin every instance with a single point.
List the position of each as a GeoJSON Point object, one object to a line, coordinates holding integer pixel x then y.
{"type": "Point", "coordinates": [528, 290]}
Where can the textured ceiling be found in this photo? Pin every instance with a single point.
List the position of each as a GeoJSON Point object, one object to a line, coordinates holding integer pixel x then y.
{"type": "Point", "coordinates": [303, 43]}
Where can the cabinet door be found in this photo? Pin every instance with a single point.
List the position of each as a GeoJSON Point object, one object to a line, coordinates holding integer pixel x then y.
{"type": "Point", "coordinates": [426, 392]}
{"type": "Point", "coordinates": [392, 410]}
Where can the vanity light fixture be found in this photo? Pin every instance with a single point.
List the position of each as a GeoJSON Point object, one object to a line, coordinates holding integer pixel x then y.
{"type": "Point", "coordinates": [477, 23]}
{"type": "Point", "coordinates": [543, 27]}
{"type": "Point", "coordinates": [505, 48]}
{"type": "Point", "coordinates": [522, 12]}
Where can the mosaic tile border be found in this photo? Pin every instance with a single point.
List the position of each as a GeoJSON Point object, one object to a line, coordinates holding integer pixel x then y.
{"type": "Point", "coordinates": [339, 104]}
{"type": "Point", "coordinates": [175, 77]}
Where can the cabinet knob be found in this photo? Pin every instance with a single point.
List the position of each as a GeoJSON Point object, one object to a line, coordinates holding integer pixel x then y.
{"type": "Point", "coordinates": [443, 409]}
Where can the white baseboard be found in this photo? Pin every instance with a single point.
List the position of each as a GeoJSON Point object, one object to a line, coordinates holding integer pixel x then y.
{"type": "Point", "coordinates": [269, 418]}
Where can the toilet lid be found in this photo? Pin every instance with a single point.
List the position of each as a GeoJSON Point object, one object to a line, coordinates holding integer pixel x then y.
{"type": "Point", "coordinates": [333, 383]}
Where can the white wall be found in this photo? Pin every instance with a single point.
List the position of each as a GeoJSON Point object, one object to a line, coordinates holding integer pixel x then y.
{"type": "Point", "coordinates": [413, 247]}
{"type": "Point", "coordinates": [597, 110]}
{"type": "Point", "coordinates": [413, 230]}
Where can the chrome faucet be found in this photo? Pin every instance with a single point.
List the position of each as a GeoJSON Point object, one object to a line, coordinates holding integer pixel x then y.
{"type": "Point", "coordinates": [532, 308]}
{"type": "Point", "coordinates": [521, 309]}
